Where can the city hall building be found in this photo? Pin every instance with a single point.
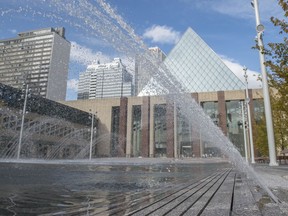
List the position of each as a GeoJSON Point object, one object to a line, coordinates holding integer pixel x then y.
{"type": "Point", "coordinates": [151, 125]}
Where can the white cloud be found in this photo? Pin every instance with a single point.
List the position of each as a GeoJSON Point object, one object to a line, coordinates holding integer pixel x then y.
{"type": "Point", "coordinates": [162, 34]}
{"type": "Point", "coordinates": [237, 69]}
{"type": "Point", "coordinates": [86, 56]}
{"type": "Point", "coordinates": [240, 9]}
{"type": "Point", "coordinates": [13, 31]}
{"type": "Point", "coordinates": [72, 84]}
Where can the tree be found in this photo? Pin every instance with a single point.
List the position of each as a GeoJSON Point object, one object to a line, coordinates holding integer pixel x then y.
{"type": "Point", "coordinates": [277, 65]}
{"type": "Point", "coordinates": [280, 122]}
{"type": "Point", "coordinates": [260, 137]}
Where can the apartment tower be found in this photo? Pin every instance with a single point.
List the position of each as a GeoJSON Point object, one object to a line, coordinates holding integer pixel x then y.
{"type": "Point", "coordinates": [38, 58]}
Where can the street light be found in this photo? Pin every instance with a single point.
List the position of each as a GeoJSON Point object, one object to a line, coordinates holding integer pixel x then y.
{"type": "Point", "coordinates": [244, 131]}
{"type": "Point", "coordinates": [22, 122]}
{"type": "Point", "coordinates": [247, 100]}
{"type": "Point", "coordinates": [267, 105]}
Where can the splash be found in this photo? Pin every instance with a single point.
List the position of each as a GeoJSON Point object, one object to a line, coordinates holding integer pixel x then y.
{"type": "Point", "coordinates": [98, 19]}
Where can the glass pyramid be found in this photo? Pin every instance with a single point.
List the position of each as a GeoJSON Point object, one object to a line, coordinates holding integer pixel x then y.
{"type": "Point", "coordinates": [198, 68]}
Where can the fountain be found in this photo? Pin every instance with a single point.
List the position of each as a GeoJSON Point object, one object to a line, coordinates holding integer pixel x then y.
{"type": "Point", "coordinates": [40, 138]}
{"type": "Point", "coordinates": [101, 21]}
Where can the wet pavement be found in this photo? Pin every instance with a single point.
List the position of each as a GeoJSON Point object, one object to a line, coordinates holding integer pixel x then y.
{"type": "Point", "coordinates": [276, 178]}
{"type": "Point", "coordinates": [139, 186]}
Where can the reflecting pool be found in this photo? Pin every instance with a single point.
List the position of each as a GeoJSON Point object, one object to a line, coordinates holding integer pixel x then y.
{"type": "Point", "coordinates": [92, 188]}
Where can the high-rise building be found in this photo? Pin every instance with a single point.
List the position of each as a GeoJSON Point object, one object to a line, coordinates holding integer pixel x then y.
{"type": "Point", "coordinates": [105, 80]}
{"type": "Point", "coordinates": [145, 65]}
{"type": "Point", "coordinates": [38, 58]}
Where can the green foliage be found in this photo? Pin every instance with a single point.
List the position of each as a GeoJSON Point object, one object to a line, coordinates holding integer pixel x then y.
{"type": "Point", "coordinates": [280, 122]}
{"type": "Point", "coordinates": [260, 138]}
{"type": "Point", "coordinates": [277, 65]}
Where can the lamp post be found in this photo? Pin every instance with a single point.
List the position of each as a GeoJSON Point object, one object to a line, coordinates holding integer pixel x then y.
{"type": "Point", "coordinates": [267, 105]}
{"type": "Point", "coordinates": [22, 121]}
{"type": "Point", "coordinates": [247, 100]}
{"type": "Point", "coordinates": [244, 131]}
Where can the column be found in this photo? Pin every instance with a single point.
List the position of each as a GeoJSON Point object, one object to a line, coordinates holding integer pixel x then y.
{"type": "Point", "coordinates": [123, 125]}
{"type": "Point", "coordinates": [145, 120]}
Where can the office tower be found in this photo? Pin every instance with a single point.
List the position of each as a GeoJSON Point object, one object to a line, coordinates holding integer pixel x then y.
{"type": "Point", "coordinates": [105, 80]}
{"type": "Point", "coordinates": [84, 83]}
{"type": "Point", "coordinates": [145, 64]}
{"type": "Point", "coordinates": [38, 58]}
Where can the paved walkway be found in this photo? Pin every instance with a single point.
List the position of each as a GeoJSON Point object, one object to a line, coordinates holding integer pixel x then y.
{"type": "Point", "coordinates": [212, 195]}
{"type": "Point", "coordinates": [227, 192]}
{"type": "Point", "coordinates": [224, 193]}
{"type": "Point", "coordinates": [276, 178]}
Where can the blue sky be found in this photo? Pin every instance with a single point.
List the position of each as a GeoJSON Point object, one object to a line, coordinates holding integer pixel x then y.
{"type": "Point", "coordinates": [227, 26]}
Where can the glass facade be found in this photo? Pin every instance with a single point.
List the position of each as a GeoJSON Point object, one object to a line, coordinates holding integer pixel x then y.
{"type": "Point", "coordinates": [160, 130]}
{"type": "Point", "coordinates": [144, 67]}
{"type": "Point", "coordinates": [198, 68]}
{"type": "Point", "coordinates": [184, 136]}
{"type": "Point", "coordinates": [115, 124]}
{"type": "Point", "coordinates": [136, 131]}
{"type": "Point", "coordinates": [64, 130]}
{"type": "Point", "coordinates": [235, 125]}
{"type": "Point", "coordinates": [258, 110]}
{"type": "Point", "coordinates": [211, 109]}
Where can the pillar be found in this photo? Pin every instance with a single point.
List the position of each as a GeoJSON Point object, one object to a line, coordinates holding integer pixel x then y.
{"type": "Point", "coordinates": [222, 111]}
{"type": "Point", "coordinates": [145, 121]}
{"type": "Point", "coordinates": [123, 126]}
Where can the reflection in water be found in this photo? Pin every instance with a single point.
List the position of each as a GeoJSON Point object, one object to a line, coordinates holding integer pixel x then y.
{"type": "Point", "coordinates": [81, 189]}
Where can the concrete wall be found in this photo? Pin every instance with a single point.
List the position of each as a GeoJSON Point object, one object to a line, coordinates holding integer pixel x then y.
{"type": "Point", "coordinates": [58, 71]}
{"type": "Point", "coordinates": [103, 108]}
{"type": "Point", "coordinates": [131, 102]}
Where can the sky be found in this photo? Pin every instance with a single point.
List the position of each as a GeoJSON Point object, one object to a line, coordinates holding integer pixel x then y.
{"type": "Point", "coordinates": [103, 29]}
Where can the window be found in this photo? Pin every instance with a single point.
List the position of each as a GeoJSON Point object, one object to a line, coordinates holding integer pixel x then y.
{"type": "Point", "coordinates": [136, 130]}
{"type": "Point", "coordinates": [115, 122]}
{"type": "Point", "coordinates": [160, 131]}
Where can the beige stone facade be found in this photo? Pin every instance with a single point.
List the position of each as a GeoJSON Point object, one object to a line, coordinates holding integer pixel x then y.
{"type": "Point", "coordinates": [103, 109]}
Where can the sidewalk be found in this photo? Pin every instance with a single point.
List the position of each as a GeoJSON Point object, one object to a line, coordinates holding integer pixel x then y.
{"type": "Point", "coordinates": [276, 178]}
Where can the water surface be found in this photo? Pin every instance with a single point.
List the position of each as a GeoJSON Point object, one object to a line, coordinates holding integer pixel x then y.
{"type": "Point", "coordinates": [91, 189]}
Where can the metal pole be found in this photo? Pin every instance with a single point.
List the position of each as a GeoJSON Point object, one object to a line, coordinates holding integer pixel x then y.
{"type": "Point", "coordinates": [22, 122]}
{"type": "Point", "coordinates": [249, 118]}
{"type": "Point", "coordinates": [91, 138]}
{"type": "Point", "coordinates": [175, 131]}
{"type": "Point", "coordinates": [267, 105]}
{"type": "Point", "coordinates": [244, 132]}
